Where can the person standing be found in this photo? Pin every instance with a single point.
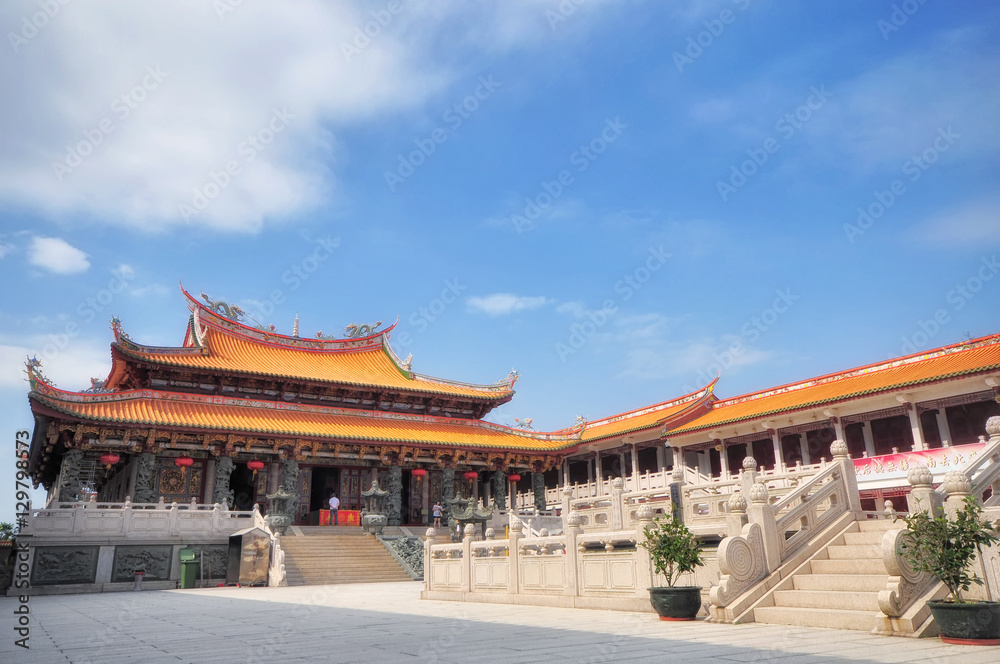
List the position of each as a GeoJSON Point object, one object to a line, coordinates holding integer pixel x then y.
{"type": "Point", "coordinates": [436, 511]}
{"type": "Point", "coordinates": [334, 506]}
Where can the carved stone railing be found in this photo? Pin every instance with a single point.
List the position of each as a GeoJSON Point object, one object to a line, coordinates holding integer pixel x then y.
{"type": "Point", "coordinates": [134, 520]}
{"type": "Point", "coordinates": [983, 472]}
{"type": "Point", "coordinates": [902, 600]}
{"type": "Point", "coordinates": [576, 565]}
{"type": "Point", "coordinates": [763, 536]}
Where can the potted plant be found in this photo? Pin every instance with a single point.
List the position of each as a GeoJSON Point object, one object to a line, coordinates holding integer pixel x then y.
{"type": "Point", "coordinates": [673, 550]}
{"type": "Point", "coordinates": [946, 548]}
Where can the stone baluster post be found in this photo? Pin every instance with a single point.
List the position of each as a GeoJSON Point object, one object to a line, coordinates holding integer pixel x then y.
{"type": "Point", "coordinates": [429, 536]}
{"type": "Point", "coordinates": [922, 498]}
{"type": "Point", "coordinates": [617, 500]}
{"type": "Point", "coordinates": [467, 535]}
{"type": "Point", "coordinates": [514, 551]}
{"type": "Point", "coordinates": [127, 516]}
{"type": "Point", "coordinates": [644, 565]}
{"type": "Point", "coordinates": [173, 527]}
{"type": "Point", "coordinates": [761, 513]}
{"type": "Point", "coordinates": [749, 475]}
{"type": "Point", "coordinates": [841, 456]}
{"type": "Point", "coordinates": [567, 496]}
{"type": "Point", "coordinates": [572, 533]}
{"type": "Point", "coordinates": [957, 487]}
{"type": "Point", "coordinates": [737, 517]}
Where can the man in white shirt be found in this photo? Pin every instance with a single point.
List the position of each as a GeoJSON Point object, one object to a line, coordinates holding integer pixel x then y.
{"type": "Point", "coordinates": [334, 506]}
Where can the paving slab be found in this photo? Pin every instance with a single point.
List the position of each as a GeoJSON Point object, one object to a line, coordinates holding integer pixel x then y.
{"type": "Point", "coordinates": [388, 623]}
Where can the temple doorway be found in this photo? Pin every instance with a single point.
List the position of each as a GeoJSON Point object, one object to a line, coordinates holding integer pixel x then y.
{"type": "Point", "coordinates": [324, 483]}
{"type": "Point", "coordinates": [241, 484]}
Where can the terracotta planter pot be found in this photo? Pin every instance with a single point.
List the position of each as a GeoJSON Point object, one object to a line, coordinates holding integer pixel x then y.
{"type": "Point", "coordinates": [677, 603]}
{"type": "Point", "coordinates": [970, 623]}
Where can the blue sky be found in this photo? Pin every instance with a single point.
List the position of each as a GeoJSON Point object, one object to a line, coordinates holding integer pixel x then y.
{"type": "Point", "coordinates": [617, 199]}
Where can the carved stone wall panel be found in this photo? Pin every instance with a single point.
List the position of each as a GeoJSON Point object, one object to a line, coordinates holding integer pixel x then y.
{"type": "Point", "coordinates": [155, 560]}
{"type": "Point", "coordinates": [216, 559]}
{"type": "Point", "coordinates": [63, 564]}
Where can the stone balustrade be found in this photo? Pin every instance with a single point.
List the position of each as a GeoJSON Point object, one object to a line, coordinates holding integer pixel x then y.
{"type": "Point", "coordinates": [137, 521]}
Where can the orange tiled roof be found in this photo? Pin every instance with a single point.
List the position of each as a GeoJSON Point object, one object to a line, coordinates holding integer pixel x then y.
{"type": "Point", "coordinates": [369, 366]}
{"type": "Point", "coordinates": [197, 412]}
{"type": "Point", "coordinates": [668, 412]}
{"type": "Point", "coordinates": [975, 356]}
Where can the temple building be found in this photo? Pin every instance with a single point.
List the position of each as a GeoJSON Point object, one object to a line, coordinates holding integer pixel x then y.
{"type": "Point", "coordinates": [238, 411]}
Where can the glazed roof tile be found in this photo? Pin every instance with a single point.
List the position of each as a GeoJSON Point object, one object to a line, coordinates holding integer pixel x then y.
{"type": "Point", "coordinates": [976, 356]}
{"type": "Point", "coordinates": [224, 414]}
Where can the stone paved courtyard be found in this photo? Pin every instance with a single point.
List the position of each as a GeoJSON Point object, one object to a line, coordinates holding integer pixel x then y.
{"type": "Point", "coordinates": [388, 622]}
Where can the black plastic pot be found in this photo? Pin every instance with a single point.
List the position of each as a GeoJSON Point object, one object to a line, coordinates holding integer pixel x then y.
{"type": "Point", "coordinates": [969, 623]}
{"type": "Point", "coordinates": [677, 603]}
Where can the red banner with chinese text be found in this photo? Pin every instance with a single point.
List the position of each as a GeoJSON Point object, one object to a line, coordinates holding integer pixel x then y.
{"type": "Point", "coordinates": [344, 517]}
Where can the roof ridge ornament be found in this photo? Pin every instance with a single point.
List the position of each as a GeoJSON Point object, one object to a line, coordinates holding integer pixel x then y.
{"type": "Point", "coordinates": [33, 367]}
{"type": "Point", "coordinates": [355, 331]}
{"type": "Point", "coordinates": [224, 309]}
{"type": "Point", "coordinates": [116, 327]}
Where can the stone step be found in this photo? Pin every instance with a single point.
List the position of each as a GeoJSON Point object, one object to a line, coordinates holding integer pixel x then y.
{"type": "Point", "coordinates": [806, 617]}
{"type": "Point", "coordinates": [879, 525]}
{"type": "Point", "coordinates": [867, 566]}
{"type": "Point", "coordinates": [864, 537]}
{"type": "Point", "coordinates": [854, 552]}
{"type": "Point", "coordinates": [843, 582]}
{"type": "Point", "coordinates": [827, 599]}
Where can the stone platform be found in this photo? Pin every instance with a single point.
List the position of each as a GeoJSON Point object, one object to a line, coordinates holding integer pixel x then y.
{"type": "Point", "coordinates": [388, 623]}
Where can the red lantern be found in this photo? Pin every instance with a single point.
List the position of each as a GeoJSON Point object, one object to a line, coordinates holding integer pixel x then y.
{"type": "Point", "coordinates": [471, 475]}
{"type": "Point", "coordinates": [184, 461]}
{"type": "Point", "coordinates": [418, 472]}
{"type": "Point", "coordinates": [255, 465]}
{"type": "Point", "coordinates": [109, 459]}
{"type": "Point", "coordinates": [514, 477]}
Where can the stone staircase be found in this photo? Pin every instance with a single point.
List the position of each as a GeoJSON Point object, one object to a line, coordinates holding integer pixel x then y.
{"type": "Point", "coordinates": [323, 555]}
{"type": "Point", "coordinates": [838, 587]}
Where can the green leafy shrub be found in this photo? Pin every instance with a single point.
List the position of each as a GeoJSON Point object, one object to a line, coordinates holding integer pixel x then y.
{"type": "Point", "coordinates": [944, 547]}
{"type": "Point", "coordinates": [673, 549]}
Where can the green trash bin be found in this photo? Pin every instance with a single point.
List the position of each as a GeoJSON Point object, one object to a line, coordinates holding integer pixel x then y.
{"type": "Point", "coordinates": [189, 567]}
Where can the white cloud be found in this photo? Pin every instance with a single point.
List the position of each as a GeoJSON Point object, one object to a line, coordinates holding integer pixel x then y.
{"type": "Point", "coordinates": [56, 255]}
{"type": "Point", "coordinates": [140, 127]}
{"type": "Point", "coordinates": [501, 304]}
{"type": "Point", "coordinates": [974, 224]}
{"type": "Point", "coordinates": [5, 248]}
{"type": "Point", "coordinates": [69, 368]}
